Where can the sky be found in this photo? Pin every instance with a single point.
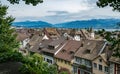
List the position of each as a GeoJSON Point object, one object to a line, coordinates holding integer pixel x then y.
{"type": "Point", "coordinates": [59, 11]}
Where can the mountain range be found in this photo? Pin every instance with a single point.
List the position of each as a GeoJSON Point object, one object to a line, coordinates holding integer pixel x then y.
{"type": "Point", "coordinates": [95, 23]}
{"type": "Point", "coordinates": [32, 24]}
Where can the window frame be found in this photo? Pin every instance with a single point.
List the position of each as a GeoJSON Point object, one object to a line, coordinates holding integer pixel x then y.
{"type": "Point", "coordinates": [100, 67]}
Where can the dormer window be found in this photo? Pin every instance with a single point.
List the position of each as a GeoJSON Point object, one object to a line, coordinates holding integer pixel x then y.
{"type": "Point", "coordinates": [51, 47]}
{"type": "Point", "coordinates": [39, 48]}
{"type": "Point", "coordinates": [63, 50]}
{"type": "Point", "coordinates": [71, 52]}
{"type": "Point", "coordinates": [100, 60]}
{"type": "Point", "coordinates": [82, 45]}
{"type": "Point", "coordinates": [88, 51]}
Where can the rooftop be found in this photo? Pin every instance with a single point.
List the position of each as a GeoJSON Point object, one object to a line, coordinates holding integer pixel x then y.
{"type": "Point", "coordinates": [68, 51]}
{"type": "Point", "coordinates": [54, 43]}
{"type": "Point", "coordinates": [90, 49]}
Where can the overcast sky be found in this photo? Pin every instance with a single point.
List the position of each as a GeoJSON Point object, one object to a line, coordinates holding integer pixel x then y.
{"type": "Point", "coordinates": [57, 11]}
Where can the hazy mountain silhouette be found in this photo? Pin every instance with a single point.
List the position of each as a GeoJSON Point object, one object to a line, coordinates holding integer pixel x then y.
{"type": "Point", "coordinates": [95, 23]}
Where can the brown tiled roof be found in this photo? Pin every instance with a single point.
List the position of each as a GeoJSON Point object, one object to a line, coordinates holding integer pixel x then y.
{"type": "Point", "coordinates": [51, 32]}
{"type": "Point", "coordinates": [35, 38]}
{"type": "Point", "coordinates": [38, 46]}
{"type": "Point", "coordinates": [21, 36]}
{"type": "Point", "coordinates": [90, 49]}
{"type": "Point", "coordinates": [68, 50]}
{"type": "Point", "coordinates": [85, 34]}
{"type": "Point", "coordinates": [58, 42]}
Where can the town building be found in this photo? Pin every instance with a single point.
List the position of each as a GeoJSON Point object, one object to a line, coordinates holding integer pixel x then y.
{"type": "Point", "coordinates": [64, 58]}
{"type": "Point", "coordinates": [87, 56]}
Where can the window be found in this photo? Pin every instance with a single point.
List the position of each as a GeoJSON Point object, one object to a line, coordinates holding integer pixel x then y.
{"type": "Point", "coordinates": [63, 50]}
{"type": "Point", "coordinates": [100, 67]}
{"type": "Point", "coordinates": [44, 59]}
{"type": "Point", "coordinates": [39, 48]}
{"type": "Point", "coordinates": [59, 60]}
{"type": "Point", "coordinates": [49, 61]}
{"type": "Point", "coordinates": [95, 65]}
{"type": "Point", "coordinates": [106, 69]}
{"type": "Point", "coordinates": [88, 63]}
{"type": "Point", "coordinates": [51, 47]}
{"type": "Point", "coordinates": [88, 51]}
{"type": "Point", "coordinates": [65, 62]}
{"type": "Point", "coordinates": [62, 60]}
{"type": "Point", "coordinates": [75, 69]}
{"type": "Point", "coordinates": [77, 59]}
{"type": "Point", "coordinates": [100, 60]}
{"type": "Point", "coordinates": [71, 52]}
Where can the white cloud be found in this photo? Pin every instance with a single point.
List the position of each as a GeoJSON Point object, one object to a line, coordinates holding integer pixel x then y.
{"type": "Point", "coordinates": [55, 11]}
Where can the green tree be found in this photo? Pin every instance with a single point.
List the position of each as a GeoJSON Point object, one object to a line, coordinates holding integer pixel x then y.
{"type": "Point", "coordinates": [115, 43]}
{"type": "Point", "coordinates": [8, 42]}
{"type": "Point", "coordinates": [115, 4]}
{"type": "Point", "coordinates": [64, 72]}
{"type": "Point", "coordinates": [116, 47]}
{"type": "Point", "coordinates": [33, 2]}
{"type": "Point", "coordinates": [35, 65]}
{"type": "Point", "coordinates": [7, 37]}
{"type": "Point", "coordinates": [31, 64]}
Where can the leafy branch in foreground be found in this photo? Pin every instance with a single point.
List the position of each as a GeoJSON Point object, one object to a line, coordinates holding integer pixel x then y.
{"type": "Point", "coordinates": [115, 4]}
{"type": "Point", "coordinates": [33, 2]}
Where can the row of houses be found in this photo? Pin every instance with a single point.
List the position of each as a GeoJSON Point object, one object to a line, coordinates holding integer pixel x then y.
{"type": "Point", "coordinates": [77, 51]}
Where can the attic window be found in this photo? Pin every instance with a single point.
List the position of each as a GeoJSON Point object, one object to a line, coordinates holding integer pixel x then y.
{"type": "Point", "coordinates": [39, 48]}
{"type": "Point", "coordinates": [63, 50]}
{"type": "Point", "coordinates": [82, 45]}
{"type": "Point", "coordinates": [51, 47]}
{"type": "Point", "coordinates": [100, 60]}
{"type": "Point", "coordinates": [71, 52]}
{"type": "Point", "coordinates": [88, 51]}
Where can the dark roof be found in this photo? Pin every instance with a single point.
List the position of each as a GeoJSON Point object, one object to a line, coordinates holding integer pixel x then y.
{"type": "Point", "coordinates": [35, 39]}
{"type": "Point", "coordinates": [68, 51]}
{"type": "Point", "coordinates": [39, 45]}
{"type": "Point", "coordinates": [90, 49]}
{"type": "Point", "coordinates": [21, 36]}
{"type": "Point", "coordinates": [59, 42]}
{"type": "Point", "coordinates": [10, 68]}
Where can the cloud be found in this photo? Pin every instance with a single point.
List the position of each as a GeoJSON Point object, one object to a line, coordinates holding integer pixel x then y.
{"type": "Point", "coordinates": [57, 11]}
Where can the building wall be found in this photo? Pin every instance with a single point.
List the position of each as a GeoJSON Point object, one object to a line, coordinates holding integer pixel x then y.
{"type": "Point", "coordinates": [114, 68]}
{"type": "Point", "coordinates": [63, 64]}
{"type": "Point", "coordinates": [82, 66]}
{"type": "Point", "coordinates": [97, 69]}
{"type": "Point", "coordinates": [111, 68]}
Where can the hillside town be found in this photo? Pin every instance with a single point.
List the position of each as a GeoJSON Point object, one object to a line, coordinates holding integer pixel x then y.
{"type": "Point", "coordinates": [78, 51]}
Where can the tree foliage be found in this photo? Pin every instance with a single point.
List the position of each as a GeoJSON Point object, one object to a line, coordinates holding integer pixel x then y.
{"type": "Point", "coordinates": [7, 37]}
{"type": "Point", "coordinates": [35, 65]}
{"type": "Point", "coordinates": [31, 64]}
{"type": "Point", "coordinates": [115, 4]}
{"type": "Point", "coordinates": [8, 42]}
{"type": "Point", "coordinates": [33, 2]}
{"type": "Point", "coordinates": [115, 42]}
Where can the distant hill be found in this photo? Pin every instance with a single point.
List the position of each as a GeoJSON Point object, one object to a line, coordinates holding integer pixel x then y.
{"type": "Point", "coordinates": [32, 24]}
{"type": "Point", "coordinates": [95, 23]}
